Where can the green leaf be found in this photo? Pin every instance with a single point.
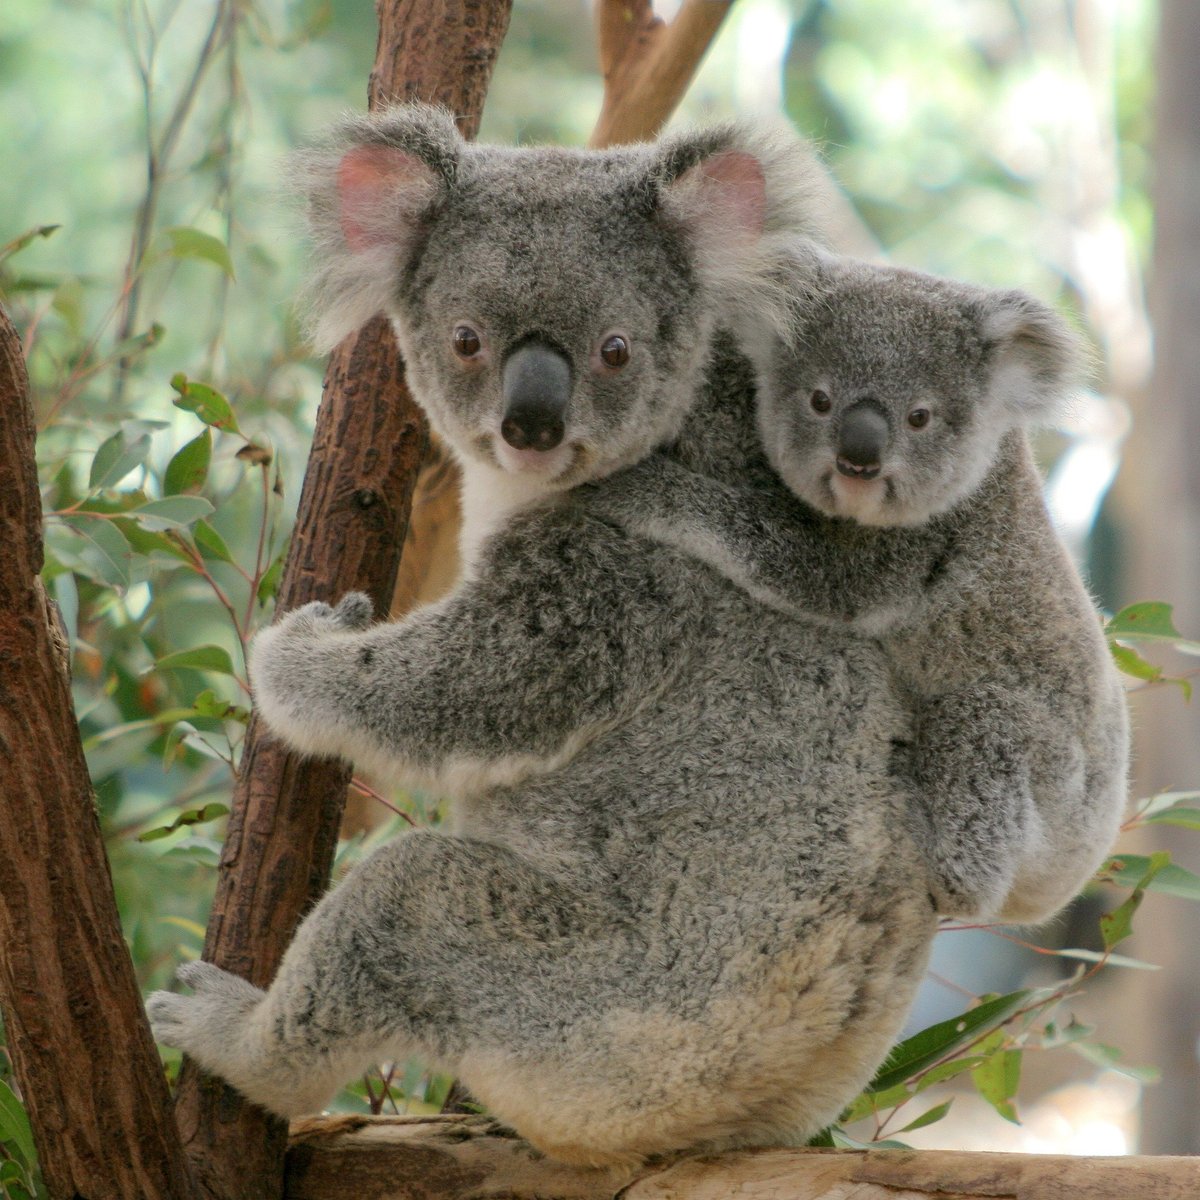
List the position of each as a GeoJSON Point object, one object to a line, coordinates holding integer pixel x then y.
{"type": "Point", "coordinates": [948, 1070]}
{"type": "Point", "coordinates": [1111, 960]}
{"type": "Point", "coordinates": [1117, 925]}
{"type": "Point", "coordinates": [841, 1138]}
{"type": "Point", "coordinates": [207, 403]}
{"type": "Point", "coordinates": [185, 242]}
{"type": "Point", "coordinates": [930, 1117]}
{"type": "Point", "coordinates": [209, 704]}
{"type": "Point", "coordinates": [24, 239]}
{"type": "Point", "coordinates": [116, 457]}
{"type": "Point", "coordinates": [131, 347]}
{"type": "Point", "coordinates": [1149, 621]}
{"type": "Point", "coordinates": [926, 1048]}
{"type": "Point", "coordinates": [1165, 800]}
{"type": "Point", "coordinates": [1132, 663]}
{"type": "Point", "coordinates": [210, 543]}
{"type": "Point", "coordinates": [105, 553]}
{"type": "Point", "coordinates": [268, 585]}
{"type": "Point", "coordinates": [1188, 818]}
{"type": "Point", "coordinates": [188, 468]}
{"type": "Point", "coordinates": [14, 1126]}
{"type": "Point", "coordinates": [1110, 1058]}
{"type": "Point", "coordinates": [190, 816]}
{"type": "Point", "coordinates": [1171, 880]}
{"type": "Point", "coordinates": [171, 512]}
{"type": "Point", "coordinates": [203, 850]}
{"type": "Point", "coordinates": [997, 1078]}
{"type": "Point", "coordinates": [202, 658]}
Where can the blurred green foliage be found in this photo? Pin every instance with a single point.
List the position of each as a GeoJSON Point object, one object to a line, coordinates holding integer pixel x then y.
{"type": "Point", "coordinates": [149, 259]}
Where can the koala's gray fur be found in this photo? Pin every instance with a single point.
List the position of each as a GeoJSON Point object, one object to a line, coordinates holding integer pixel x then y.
{"type": "Point", "coordinates": [1020, 750]}
{"type": "Point", "coordinates": [678, 904]}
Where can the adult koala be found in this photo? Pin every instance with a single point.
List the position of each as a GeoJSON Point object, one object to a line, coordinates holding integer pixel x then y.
{"type": "Point", "coordinates": [678, 905]}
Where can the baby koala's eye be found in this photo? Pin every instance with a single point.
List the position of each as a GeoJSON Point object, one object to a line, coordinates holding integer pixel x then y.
{"type": "Point", "coordinates": [820, 401]}
{"type": "Point", "coordinates": [919, 418]}
{"type": "Point", "coordinates": [466, 341]}
{"type": "Point", "coordinates": [614, 352]}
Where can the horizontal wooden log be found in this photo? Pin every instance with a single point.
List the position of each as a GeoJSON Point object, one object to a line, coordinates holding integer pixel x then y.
{"type": "Point", "coordinates": [472, 1158]}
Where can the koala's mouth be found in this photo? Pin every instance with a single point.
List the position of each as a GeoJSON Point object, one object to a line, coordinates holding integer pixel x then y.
{"type": "Point", "coordinates": [553, 464]}
{"type": "Point", "coordinates": [862, 497]}
{"type": "Point", "coordinates": [852, 470]}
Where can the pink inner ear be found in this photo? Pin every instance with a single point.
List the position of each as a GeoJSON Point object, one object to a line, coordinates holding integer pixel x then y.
{"type": "Point", "coordinates": [367, 178]}
{"type": "Point", "coordinates": [743, 188]}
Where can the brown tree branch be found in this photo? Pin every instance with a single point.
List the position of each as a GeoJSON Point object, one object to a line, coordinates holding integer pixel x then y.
{"type": "Point", "coordinates": [79, 1041]}
{"type": "Point", "coordinates": [647, 64]}
{"type": "Point", "coordinates": [369, 444]}
{"type": "Point", "coordinates": [469, 1158]}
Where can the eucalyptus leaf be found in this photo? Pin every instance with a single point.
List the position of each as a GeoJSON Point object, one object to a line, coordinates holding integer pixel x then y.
{"type": "Point", "coordinates": [926, 1048]}
{"type": "Point", "coordinates": [116, 457]}
{"type": "Point", "coordinates": [1117, 925]}
{"type": "Point", "coordinates": [183, 241]}
{"type": "Point", "coordinates": [14, 1126]}
{"type": "Point", "coordinates": [103, 550]}
{"type": "Point", "coordinates": [929, 1117]}
{"type": "Point", "coordinates": [200, 658]}
{"type": "Point", "coordinates": [1172, 880]}
{"type": "Point", "coordinates": [188, 468]}
{"type": "Point", "coordinates": [207, 403]}
{"type": "Point", "coordinates": [189, 816]}
{"type": "Point", "coordinates": [24, 239]}
{"type": "Point", "coordinates": [171, 512]}
{"type": "Point", "coordinates": [210, 543]}
{"type": "Point", "coordinates": [1149, 621]}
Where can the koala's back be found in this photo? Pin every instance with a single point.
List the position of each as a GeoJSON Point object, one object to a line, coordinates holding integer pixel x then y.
{"type": "Point", "coordinates": [1011, 609]}
{"type": "Point", "coordinates": [772, 915]}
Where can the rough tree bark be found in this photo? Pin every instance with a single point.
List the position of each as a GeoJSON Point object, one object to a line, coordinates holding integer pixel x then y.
{"type": "Point", "coordinates": [469, 1158]}
{"type": "Point", "coordinates": [368, 446]}
{"type": "Point", "coordinates": [80, 1045]}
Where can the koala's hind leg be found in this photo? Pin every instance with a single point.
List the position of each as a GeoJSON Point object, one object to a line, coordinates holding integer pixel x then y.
{"type": "Point", "coordinates": [385, 966]}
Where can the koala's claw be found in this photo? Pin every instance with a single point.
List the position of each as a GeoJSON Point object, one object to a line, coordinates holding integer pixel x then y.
{"type": "Point", "coordinates": [200, 976]}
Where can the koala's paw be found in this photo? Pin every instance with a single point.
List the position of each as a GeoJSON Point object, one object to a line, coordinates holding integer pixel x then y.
{"type": "Point", "coordinates": [204, 1025]}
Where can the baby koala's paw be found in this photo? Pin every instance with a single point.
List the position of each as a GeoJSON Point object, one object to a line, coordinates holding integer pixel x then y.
{"type": "Point", "coordinates": [206, 1024]}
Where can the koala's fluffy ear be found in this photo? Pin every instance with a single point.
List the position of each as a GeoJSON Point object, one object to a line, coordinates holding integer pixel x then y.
{"type": "Point", "coordinates": [744, 195]}
{"type": "Point", "coordinates": [1037, 359]}
{"type": "Point", "coordinates": [367, 187]}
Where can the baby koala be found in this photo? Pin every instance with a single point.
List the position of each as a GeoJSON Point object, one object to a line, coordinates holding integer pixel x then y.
{"type": "Point", "coordinates": [896, 416]}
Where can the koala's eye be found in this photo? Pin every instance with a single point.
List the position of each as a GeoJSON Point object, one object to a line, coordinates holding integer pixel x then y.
{"type": "Point", "coordinates": [615, 351]}
{"type": "Point", "coordinates": [820, 401]}
{"type": "Point", "coordinates": [466, 342]}
{"type": "Point", "coordinates": [919, 418]}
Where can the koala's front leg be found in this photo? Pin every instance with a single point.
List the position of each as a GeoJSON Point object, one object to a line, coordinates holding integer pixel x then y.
{"type": "Point", "coordinates": [389, 964]}
{"type": "Point", "coordinates": [568, 625]}
{"type": "Point", "coordinates": [970, 768]}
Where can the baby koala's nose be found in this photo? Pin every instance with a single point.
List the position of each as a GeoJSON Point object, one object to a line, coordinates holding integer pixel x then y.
{"type": "Point", "coordinates": [862, 439]}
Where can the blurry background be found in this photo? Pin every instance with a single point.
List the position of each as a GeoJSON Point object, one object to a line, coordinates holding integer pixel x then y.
{"type": "Point", "coordinates": [1044, 144]}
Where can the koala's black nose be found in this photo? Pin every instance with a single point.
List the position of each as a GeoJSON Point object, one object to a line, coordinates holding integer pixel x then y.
{"type": "Point", "coordinates": [536, 382]}
{"type": "Point", "coordinates": [862, 438]}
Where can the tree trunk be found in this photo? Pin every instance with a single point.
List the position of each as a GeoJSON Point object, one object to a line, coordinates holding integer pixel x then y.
{"type": "Point", "coordinates": [470, 1158]}
{"type": "Point", "coordinates": [1160, 490]}
{"type": "Point", "coordinates": [370, 442]}
{"type": "Point", "coordinates": [81, 1048]}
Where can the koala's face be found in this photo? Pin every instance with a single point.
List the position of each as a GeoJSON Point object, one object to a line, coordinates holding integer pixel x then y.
{"type": "Point", "coordinates": [554, 307]}
{"type": "Point", "coordinates": [550, 320]}
{"type": "Point", "coordinates": [891, 405]}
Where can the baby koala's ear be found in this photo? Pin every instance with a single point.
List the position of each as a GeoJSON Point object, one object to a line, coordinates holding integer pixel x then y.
{"type": "Point", "coordinates": [1037, 361]}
